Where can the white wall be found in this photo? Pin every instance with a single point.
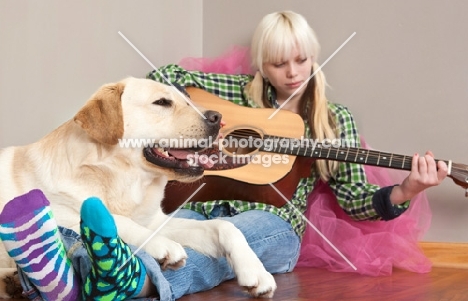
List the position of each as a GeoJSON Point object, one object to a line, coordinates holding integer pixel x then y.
{"type": "Point", "coordinates": [404, 74]}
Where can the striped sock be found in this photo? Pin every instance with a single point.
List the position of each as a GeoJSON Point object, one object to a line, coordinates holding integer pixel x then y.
{"type": "Point", "coordinates": [116, 274]}
{"type": "Point", "coordinates": [30, 235]}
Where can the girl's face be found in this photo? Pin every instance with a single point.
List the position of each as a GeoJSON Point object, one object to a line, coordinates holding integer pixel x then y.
{"type": "Point", "coordinates": [288, 75]}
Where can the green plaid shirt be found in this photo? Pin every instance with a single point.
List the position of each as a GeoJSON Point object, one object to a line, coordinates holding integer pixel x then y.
{"type": "Point", "coordinates": [353, 192]}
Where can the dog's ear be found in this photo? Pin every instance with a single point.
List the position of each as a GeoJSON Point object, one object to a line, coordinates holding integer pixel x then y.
{"type": "Point", "coordinates": [102, 117]}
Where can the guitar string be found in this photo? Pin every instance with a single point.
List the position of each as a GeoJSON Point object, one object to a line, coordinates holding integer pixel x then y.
{"type": "Point", "coordinates": [460, 166]}
{"type": "Point", "coordinates": [349, 151]}
{"type": "Point", "coordinates": [352, 151]}
{"type": "Point", "coordinates": [460, 173]}
{"type": "Point", "coordinates": [458, 170]}
{"type": "Point", "coordinates": [402, 161]}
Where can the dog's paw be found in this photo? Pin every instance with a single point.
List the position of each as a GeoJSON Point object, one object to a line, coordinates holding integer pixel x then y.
{"type": "Point", "coordinates": [169, 254]}
{"type": "Point", "coordinates": [10, 286]}
{"type": "Point", "coordinates": [258, 282]}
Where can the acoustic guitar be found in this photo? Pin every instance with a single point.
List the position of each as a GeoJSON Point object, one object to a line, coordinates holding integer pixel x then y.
{"type": "Point", "coordinates": [263, 146]}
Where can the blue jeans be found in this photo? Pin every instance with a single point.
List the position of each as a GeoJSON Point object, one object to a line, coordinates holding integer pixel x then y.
{"type": "Point", "coordinates": [271, 238]}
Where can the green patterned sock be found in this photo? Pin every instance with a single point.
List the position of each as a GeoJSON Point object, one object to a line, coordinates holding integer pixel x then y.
{"type": "Point", "coordinates": [116, 274]}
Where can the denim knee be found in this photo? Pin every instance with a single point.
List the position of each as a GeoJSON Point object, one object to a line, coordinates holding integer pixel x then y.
{"type": "Point", "coordinates": [271, 238]}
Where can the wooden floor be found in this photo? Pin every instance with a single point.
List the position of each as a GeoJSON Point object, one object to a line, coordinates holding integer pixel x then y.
{"type": "Point", "coordinates": [441, 284]}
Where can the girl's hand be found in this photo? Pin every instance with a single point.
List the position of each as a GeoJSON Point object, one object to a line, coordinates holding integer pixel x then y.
{"type": "Point", "coordinates": [425, 172]}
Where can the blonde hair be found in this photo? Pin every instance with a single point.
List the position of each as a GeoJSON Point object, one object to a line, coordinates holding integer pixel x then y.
{"type": "Point", "coordinates": [274, 40]}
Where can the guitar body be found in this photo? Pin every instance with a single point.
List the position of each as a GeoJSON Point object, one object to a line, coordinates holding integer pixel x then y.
{"type": "Point", "coordinates": [249, 182]}
{"type": "Point", "coordinates": [223, 188]}
{"type": "Point", "coordinates": [284, 124]}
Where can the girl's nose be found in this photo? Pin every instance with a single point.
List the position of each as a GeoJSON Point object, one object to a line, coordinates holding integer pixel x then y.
{"type": "Point", "coordinates": [291, 71]}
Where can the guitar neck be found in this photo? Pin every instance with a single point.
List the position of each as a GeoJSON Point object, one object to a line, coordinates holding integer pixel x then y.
{"type": "Point", "coordinates": [310, 148]}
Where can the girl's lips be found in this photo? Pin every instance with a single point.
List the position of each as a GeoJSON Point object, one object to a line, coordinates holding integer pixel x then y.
{"type": "Point", "coordinates": [294, 85]}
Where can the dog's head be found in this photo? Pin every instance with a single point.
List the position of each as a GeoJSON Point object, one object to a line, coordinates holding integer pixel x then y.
{"type": "Point", "coordinates": [155, 119]}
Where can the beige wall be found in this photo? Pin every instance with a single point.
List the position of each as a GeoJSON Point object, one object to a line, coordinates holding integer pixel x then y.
{"type": "Point", "coordinates": [404, 74]}
{"type": "Point", "coordinates": [54, 54]}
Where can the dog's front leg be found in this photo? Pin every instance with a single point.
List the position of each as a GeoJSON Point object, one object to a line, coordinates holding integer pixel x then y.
{"type": "Point", "coordinates": [169, 253]}
{"type": "Point", "coordinates": [221, 238]}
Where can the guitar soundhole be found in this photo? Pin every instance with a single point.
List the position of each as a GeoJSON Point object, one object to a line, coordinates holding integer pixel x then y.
{"type": "Point", "coordinates": [242, 142]}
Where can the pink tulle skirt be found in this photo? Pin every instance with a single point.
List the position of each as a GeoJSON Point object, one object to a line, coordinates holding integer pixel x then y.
{"type": "Point", "coordinates": [234, 61]}
{"type": "Point", "coordinates": [373, 248]}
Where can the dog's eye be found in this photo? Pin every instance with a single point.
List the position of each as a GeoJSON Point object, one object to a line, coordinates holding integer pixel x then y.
{"type": "Point", "coordinates": [163, 102]}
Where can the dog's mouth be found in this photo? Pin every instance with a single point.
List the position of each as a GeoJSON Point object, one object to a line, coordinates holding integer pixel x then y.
{"type": "Point", "coordinates": [192, 161]}
{"type": "Point", "coordinates": [187, 161]}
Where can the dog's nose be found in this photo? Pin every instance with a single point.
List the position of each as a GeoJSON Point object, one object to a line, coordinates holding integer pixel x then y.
{"type": "Point", "coordinates": [213, 118]}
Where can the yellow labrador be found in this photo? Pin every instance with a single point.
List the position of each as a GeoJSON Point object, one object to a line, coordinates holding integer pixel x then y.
{"type": "Point", "coordinates": [85, 157]}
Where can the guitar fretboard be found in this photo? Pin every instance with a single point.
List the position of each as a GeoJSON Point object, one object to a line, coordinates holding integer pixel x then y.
{"type": "Point", "coordinates": [334, 152]}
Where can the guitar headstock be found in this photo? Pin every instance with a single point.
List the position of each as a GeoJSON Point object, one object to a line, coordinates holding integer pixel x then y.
{"type": "Point", "coordinates": [459, 174]}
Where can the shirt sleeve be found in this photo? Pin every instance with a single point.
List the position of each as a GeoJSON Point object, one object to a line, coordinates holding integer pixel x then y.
{"type": "Point", "coordinates": [227, 86]}
{"type": "Point", "coordinates": [358, 198]}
